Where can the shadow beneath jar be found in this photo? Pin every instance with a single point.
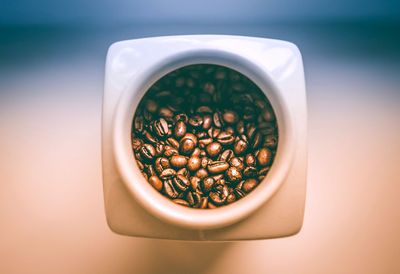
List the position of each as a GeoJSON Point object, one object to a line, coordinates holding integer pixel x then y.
{"type": "Point", "coordinates": [164, 256]}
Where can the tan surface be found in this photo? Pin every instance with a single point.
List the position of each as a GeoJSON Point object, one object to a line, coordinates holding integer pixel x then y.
{"type": "Point", "coordinates": [51, 203]}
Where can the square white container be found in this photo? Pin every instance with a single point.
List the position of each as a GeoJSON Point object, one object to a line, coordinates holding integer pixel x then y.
{"type": "Point", "coordinates": [276, 208]}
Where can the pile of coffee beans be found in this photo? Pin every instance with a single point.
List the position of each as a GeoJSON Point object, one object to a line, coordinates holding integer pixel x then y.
{"type": "Point", "coordinates": [204, 136]}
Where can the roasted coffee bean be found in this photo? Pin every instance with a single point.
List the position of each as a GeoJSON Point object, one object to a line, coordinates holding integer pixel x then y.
{"type": "Point", "coordinates": [181, 202]}
{"type": "Point", "coordinates": [204, 202]}
{"type": "Point", "coordinates": [226, 155]}
{"type": "Point", "coordinates": [156, 182]}
{"type": "Point", "coordinates": [240, 146]}
{"type": "Point", "coordinates": [207, 184]}
{"type": "Point", "coordinates": [195, 183]}
{"type": "Point", "coordinates": [237, 163]}
{"type": "Point", "coordinates": [149, 137]}
{"type": "Point", "coordinates": [181, 183]}
{"type": "Point", "coordinates": [231, 198]}
{"type": "Point", "coordinates": [136, 144]}
{"type": "Point", "coordinates": [207, 122]}
{"type": "Point", "coordinates": [217, 167]}
{"type": "Point", "coordinates": [225, 138]}
{"type": "Point", "coordinates": [233, 174]}
{"type": "Point", "coordinates": [270, 141]}
{"type": "Point", "coordinates": [194, 163]}
{"type": "Point", "coordinates": [250, 160]}
{"type": "Point", "coordinates": [219, 196]}
{"type": "Point", "coordinates": [250, 171]}
{"type": "Point", "coordinates": [213, 149]}
{"type": "Point", "coordinates": [173, 143]}
{"type": "Point", "coordinates": [147, 152]}
{"type": "Point", "coordinates": [159, 149]}
{"type": "Point", "coordinates": [178, 161]}
{"type": "Point", "coordinates": [238, 193]}
{"type": "Point", "coordinates": [249, 185]}
{"type": "Point", "coordinates": [217, 119]}
{"type": "Point", "coordinates": [160, 127]}
{"type": "Point", "coordinates": [139, 124]}
{"type": "Point", "coordinates": [160, 164]}
{"type": "Point", "coordinates": [194, 198]}
{"type": "Point", "coordinates": [151, 106]}
{"type": "Point", "coordinates": [166, 113]}
{"type": "Point", "coordinates": [167, 173]}
{"type": "Point", "coordinates": [204, 136]}
{"type": "Point", "coordinates": [264, 156]}
{"type": "Point", "coordinates": [201, 173]}
{"type": "Point", "coordinates": [140, 165]}
{"type": "Point", "coordinates": [170, 151]}
{"type": "Point", "coordinates": [169, 189]}
{"type": "Point", "coordinates": [188, 143]}
{"type": "Point", "coordinates": [180, 129]}
{"type": "Point", "coordinates": [230, 117]}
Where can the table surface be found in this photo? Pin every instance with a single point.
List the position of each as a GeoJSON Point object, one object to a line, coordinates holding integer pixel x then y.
{"type": "Point", "coordinates": [51, 204]}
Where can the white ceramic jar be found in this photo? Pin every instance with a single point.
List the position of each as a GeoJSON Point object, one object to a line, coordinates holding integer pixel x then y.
{"type": "Point", "coordinates": [275, 208]}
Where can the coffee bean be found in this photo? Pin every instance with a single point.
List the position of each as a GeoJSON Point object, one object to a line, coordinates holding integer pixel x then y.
{"type": "Point", "coordinates": [178, 161]}
{"type": "Point", "coordinates": [217, 167]}
{"type": "Point", "coordinates": [250, 171]}
{"type": "Point", "coordinates": [264, 156]}
{"type": "Point", "coordinates": [151, 106]}
{"type": "Point", "coordinates": [207, 184]}
{"type": "Point", "coordinates": [160, 127]}
{"type": "Point", "coordinates": [237, 163]}
{"type": "Point", "coordinates": [147, 152]}
{"type": "Point", "coordinates": [181, 183]}
{"type": "Point", "coordinates": [194, 198]}
{"type": "Point", "coordinates": [195, 183]}
{"type": "Point", "coordinates": [204, 136]}
{"type": "Point", "coordinates": [139, 123]}
{"type": "Point", "coordinates": [233, 174]}
{"type": "Point", "coordinates": [180, 129]}
{"type": "Point", "coordinates": [136, 144]}
{"type": "Point", "coordinates": [231, 198]}
{"type": "Point", "coordinates": [181, 202]}
{"type": "Point", "coordinates": [167, 173]}
{"type": "Point", "coordinates": [169, 189]}
{"type": "Point", "coordinates": [156, 182]}
{"type": "Point", "coordinates": [173, 143]}
{"type": "Point", "coordinates": [270, 141]}
{"type": "Point", "coordinates": [201, 173]}
{"type": "Point", "coordinates": [240, 146]}
{"type": "Point", "coordinates": [196, 121]}
{"type": "Point", "coordinates": [217, 119]}
{"type": "Point", "coordinates": [160, 164]}
{"type": "Point", "coordinates": [249, 185]}
{"type": "Point", "coordinates": [170, 151]}
{"type": "Point", "coordinates": [250, 160]}
{"type": "Point", "coordinates": [204, 202]}
{"type": "Point", "coordinates": [226, 155]}
{"type": "Point", "coordinates": [183, 171]}
{"type": "Point", "coordinates": [166, 113]}
{"type": "Point", "coordinates": [159, 149]}
{"type": "Point", "coordinates": [207, 122]}
{"type": "Point", "coordinates": [194, 163]}
{"type": "Point", "coordinates": [225, 138]}
{"type": "Point", "coordinates": [213, 149]}
{"type": "Point", "coordinates": [230, 117]}
{"type": "Point", "coordinates": [188, 144]}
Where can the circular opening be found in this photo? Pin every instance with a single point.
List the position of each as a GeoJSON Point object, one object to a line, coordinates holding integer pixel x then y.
{"type": "Point", "coordinates": [204, 136]}
{"type": "Point", "coordinates": [149, 83]}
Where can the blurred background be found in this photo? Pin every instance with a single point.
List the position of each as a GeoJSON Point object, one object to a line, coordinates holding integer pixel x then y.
{"type": "Point", "coordinates": [52, 56]}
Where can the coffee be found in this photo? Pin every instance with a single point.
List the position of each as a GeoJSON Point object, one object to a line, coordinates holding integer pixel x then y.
{"type": "Point", "coordinates": [204, 136]}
